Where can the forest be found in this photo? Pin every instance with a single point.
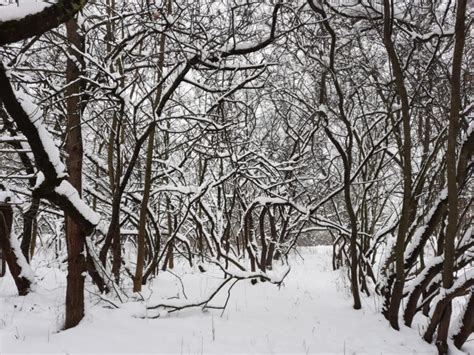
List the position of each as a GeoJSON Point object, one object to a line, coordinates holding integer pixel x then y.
{"type": "Point", "coordinates": [160, 157]}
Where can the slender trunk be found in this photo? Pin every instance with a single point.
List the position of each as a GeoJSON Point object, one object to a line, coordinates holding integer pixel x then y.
{"type": "Point", "coordinates": [3, 262]}
{"type": "Point", "coordinates": [274, 238]}
{"type": "Point", "coordinates": [137, 282]}
{"type": "Point", "coordinates": [346, 158]}
{"type": "Point", "coordinates": [29, 229]}
{"type": "Point", "coordinates": [263, 239]}
{"type": "Point", "coordinates": [75, 236]}
{"type": "Point", "coordinates": [353, 244]}
{"type": "Point", "coordinates": [451, 229]}
{"type": "Point", "coordinates": [406, 215]}
{"type": "Point", "coordinates": [112, 239]}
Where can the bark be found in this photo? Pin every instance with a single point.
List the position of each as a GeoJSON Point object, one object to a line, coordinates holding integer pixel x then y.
{"type": "Point", "coordinates": [453, 210]}
{"type": "Point", "coordinates": [352, 218]}
{"type": "Point", "coordinates": [344, 152]}
{"type": "Point", "coordinates": [353, 244]}
{"type": "Point", "coordinates": [412, 304]}
{"type": "Point", "coordinates": [114, 226]}
{"type": "Point", "coordinates": [138, 279]}
{"type": "Point", "coordinates": [37, 24]}
{"type": "Point", "coordinates": [122, 184]}
{"type": "Point", "coordinates": [75, 236]}
{"type": "Point", "coordinates": [442, 305]}
{"type": "Point", "coordinates": [274, 239]}
{"type": "Point", "coordinates": [29, 218]}
{"type": "Point", "coordinates": [117, 254]}
{"type": "Point", "coordinates": [29, 229]}
{"type": "Point", "coordinates": [407, 208]}
{"type": "Point", "coordinates": [6, 220]}
{"type": "Point", "coordinates": [3, 263]}
{"type": "Point", "coordinates": [263, 241]}
{"type": "Point", "coordinates": [94, 273]}
{"type": "Point", "coordinates": [467, 323]}
{"type": "Point", "coordinates": [29, 130]}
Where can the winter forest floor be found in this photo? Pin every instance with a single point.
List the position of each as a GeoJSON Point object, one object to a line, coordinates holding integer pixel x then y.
{"type": "Point", "coordinates": [310, 313]}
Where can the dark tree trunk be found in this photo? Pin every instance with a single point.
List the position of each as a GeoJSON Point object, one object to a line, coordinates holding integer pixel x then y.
{"type": "Point", "coordinates": [407, 207]}
{"type": "Point", "coordinates": [29, 228]}
{"type": "Point", "coordinates": [263, 241]}
{"type": "Point", "coordinates": [75, 235]}
{"type": "Point", "coordinates": [6, 219]}
{"type": "Point", "coordinates": [453, 214]}
{"type": "Point", "coordinates": [467, 324]}
{"type": "Point", "coordinates": [117, 254]}
{"type": "Point", "coordinates": [37, 24]}
{"type": "Point", "coordinates": [3, 262]}
{"type": "Point", "coordinates": [274, 239]}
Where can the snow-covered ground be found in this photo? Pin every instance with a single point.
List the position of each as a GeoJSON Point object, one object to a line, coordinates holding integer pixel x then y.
{"type": "Point", "coordinates": [311, 313]}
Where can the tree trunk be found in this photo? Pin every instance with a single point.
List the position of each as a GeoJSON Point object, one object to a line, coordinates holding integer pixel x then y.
{"type": "Point", "coordinates": [467, 323]}
{"type": "Point", "coordinates": [407, 208]}
{"type": "Point", "coordinates": [263, 241]}
{"type": "Point", "coordinates": [75, 236]}
{"type": "Point", "coordinates": [137, 282]}
{"type": "Point", "coordinates": [451, 229]}
{"type": "Point", "coordinates": [29, 229]}
{"type": "Point", "coordinates": [6, 220]}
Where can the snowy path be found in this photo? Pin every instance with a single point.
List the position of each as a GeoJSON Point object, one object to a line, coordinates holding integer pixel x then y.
{"type": "Point", "coordinates": [310, 314]}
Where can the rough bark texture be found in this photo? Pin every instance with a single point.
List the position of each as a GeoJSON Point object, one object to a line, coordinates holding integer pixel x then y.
{"type": "Point", "coordinates": [75, 235]}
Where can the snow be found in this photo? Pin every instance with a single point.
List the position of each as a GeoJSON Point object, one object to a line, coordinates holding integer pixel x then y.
{"type": "Point", "coordinates": [185, 190]}
{"type": "Point", "coordinates": [5, 195]}
{"type": "Point", "coordinates": [9, 197]}
{"type": "Point", "coordinates": [240, 46]}
{"type": "Point", "coordinates": [26, 7]}
{"type": "Point", "coordinates": [457, 324]}
{"type": "Point", "coordinates": [410, 286]}
{"type": "Point", "coordinates": [36, 117]}
{"type": "Point", "coordinates": [17, 138]}
{"type": "Point", "coordinates": [467, 237]}
{"type": "Point", "coordinates": [465, 276]}
{"type": "Point", "coordinates": [310, 313]}
{"type": "Point", "coordinates": [416, 239]}
{"type": "Point", "coordinates": [67, 190]}
{"type": "Point", "coordinates": [39, 180]}
{"type": "Point", "coordinates": [26, 270]}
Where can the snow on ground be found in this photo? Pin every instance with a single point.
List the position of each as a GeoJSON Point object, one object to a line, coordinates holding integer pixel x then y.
{"type": "Point", "coordinates": [310, 314]}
